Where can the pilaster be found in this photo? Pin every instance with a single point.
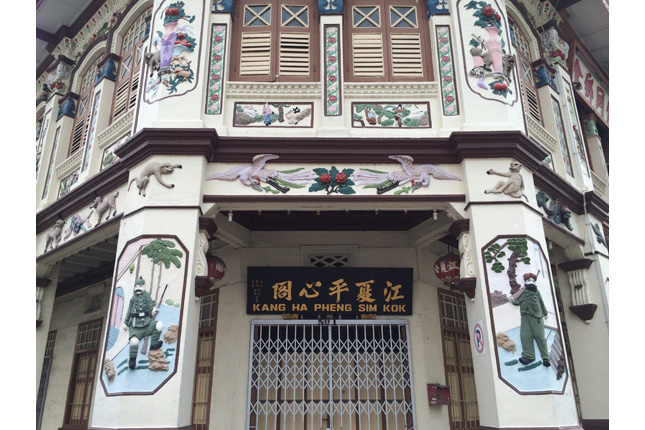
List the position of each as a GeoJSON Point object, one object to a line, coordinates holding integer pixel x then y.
{"type": "Point", "coordinates": [159, 242]}
{"type": "Point", "coordinates": [507, 240]}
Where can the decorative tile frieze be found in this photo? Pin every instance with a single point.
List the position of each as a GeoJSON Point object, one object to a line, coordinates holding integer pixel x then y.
{"type": "Point", "coordinates": [50, 169]}
{"type": "Point", "coordinates": [216, 72]}
{"type": "Point", "coordinates": [91, 132]}
{"type": "Point", "coordinates": [446, 68]}
{"type": "Point", "coordinates": [332, 71]}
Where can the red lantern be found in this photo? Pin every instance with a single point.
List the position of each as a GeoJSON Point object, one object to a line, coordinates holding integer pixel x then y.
{"type": "Point", "coordinates": [216, 267]}
{"type": "Point", "coordinates": [447, 268]}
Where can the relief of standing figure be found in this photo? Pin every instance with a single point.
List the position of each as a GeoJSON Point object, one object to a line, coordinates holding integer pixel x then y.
{"type": "Point", "coordinates": [533, 312]}
{"type": "Point", "coordinates": [140, 321]}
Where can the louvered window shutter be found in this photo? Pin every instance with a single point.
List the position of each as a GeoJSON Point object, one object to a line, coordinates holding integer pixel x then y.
{"type": "Point", "coordinates": [83, 108]}
{"type": "Point", "coordinates": [275, 41]}
{"type": "Point", "coordinates": [127, 84]}
{"type": "Point", "coordinates": [528, 88]}
{"type": "Point", "coordinates": [388, 42]}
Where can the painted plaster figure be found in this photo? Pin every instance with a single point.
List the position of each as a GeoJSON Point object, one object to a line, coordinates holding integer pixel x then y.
{"type": "Point", "coordinates": [53, 235]}
{"type": "Point", "coordinates": [103, 206]}
{"type": "Point", "coordinates": [513, 187]}
{"type": "Point", "coordinates": [153, 59]}
{"type": "Point", "coordinates": [140, 322]}
{"type": "Point", "coordinates": [267, 113]}
{"type": "Point", "coordinates": [533, 313]}
{"type": "Point", "coordinates": [418, 175]}
{"type": "Point", "coordinates": [254, 174]}
{"type": "Point", "coordinates": [156, 169]}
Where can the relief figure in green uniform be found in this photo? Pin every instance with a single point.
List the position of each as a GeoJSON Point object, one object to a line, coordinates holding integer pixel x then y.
{"type": "Point", "coordinates": [140, 322]}
{"type": "Point", "coordinates": [533, 313]}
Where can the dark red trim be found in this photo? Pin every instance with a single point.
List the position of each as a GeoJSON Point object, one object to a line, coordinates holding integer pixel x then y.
{"type": "Point", "coordinates": [188, 427]}
{"type": "Point", "coordinates": [208, 225]}
{"type": "Point", "coordinates": [467, 286]}
{"type": "Point", "coordinates": [205, 142]}
{"type": "Point", "coordinates": [584, 312]}
{"type": "Point", "coordinates": [458, 227]}
{"type": "Point", "coordinates": [335, 199]}
{"type": "Point", "coordinates": [203, 286]}
{"type": "Point", "coordinates": [575, 427]}
{"type": "Point", "coordinates": [595, 424]}
{"type": "Point", "coordinates": [569, 266]}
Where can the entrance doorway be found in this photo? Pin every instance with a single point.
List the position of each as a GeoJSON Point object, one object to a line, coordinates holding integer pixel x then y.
{"type": "Point", "coordinates": [460, 374]}
{"type": "Point", "coordinates": [347, 375]}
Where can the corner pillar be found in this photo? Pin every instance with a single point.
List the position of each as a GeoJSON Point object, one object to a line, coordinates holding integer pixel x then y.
{"type": "Point", "coordinates": [501, 245]}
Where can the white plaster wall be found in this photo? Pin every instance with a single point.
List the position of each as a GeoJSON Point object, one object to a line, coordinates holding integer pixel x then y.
{"type": "Point", "coordinates": [68, 312]}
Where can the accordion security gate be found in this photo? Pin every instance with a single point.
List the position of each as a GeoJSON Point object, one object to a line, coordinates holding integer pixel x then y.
{"type": "Point", "coordinates": [348, 375]}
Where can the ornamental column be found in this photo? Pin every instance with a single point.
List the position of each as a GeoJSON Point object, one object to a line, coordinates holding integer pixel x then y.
{"type": "Point", "coordinates": [503, 246]}
{"type": "Point", "coordinates": [160, 244]}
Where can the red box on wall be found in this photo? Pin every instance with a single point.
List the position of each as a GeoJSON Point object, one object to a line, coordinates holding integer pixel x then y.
{"type": "Point", "coordinates": [438, 395]}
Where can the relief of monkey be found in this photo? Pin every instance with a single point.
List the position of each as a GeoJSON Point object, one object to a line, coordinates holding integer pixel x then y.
{"type": "Point", "coordinates": [513, 187]}
{"type": "Point", "coordinates": [156, 169]}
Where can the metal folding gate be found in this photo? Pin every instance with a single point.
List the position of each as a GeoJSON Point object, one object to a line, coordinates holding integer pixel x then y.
{"type": "Point", "coordinates": [346, 375]}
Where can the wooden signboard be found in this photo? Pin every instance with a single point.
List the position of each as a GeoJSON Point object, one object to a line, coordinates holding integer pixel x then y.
{"type": "Point", "coordinates": [317, 291]}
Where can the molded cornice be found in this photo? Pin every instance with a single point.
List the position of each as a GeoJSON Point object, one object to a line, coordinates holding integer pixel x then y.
{"type": "Point", "coordinates": [205, 142]}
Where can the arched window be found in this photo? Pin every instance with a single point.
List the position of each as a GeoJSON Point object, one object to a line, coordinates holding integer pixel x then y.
{"type": "Point", "coordinates": [84, 107]}
{"type": "Point", "coordinates": [523, 61]}
{"type": "Point", "coordinates": [275, 40]}
{"type": "Point", "coordinates": [387, 42]}
{"type": "Point", "coordinates": [127, 81]}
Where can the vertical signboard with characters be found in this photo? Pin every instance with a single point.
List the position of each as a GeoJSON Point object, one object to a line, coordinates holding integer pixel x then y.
{"type": "Point", "coordinates": [529, 346]}
{"type": "Point", "coordinates": [144, 326]}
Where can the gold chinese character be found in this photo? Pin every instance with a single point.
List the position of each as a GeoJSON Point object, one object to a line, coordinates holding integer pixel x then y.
{"type": "Point", "coordinates": [339, 287]}
{"type": "Point", "coordinates": [282, 290]}
{"type": "Point", "coordinates": [365, 291]}
{"type": "Point", "coordinates": [309, 291]}
{"type": "Point", "coordinates": [391, 292]}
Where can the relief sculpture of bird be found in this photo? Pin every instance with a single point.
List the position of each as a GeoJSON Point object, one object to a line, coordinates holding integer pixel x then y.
{"type": "Point", "coordinates": [418, 175]}
{"type": "Point", "coordinates": [254, 174]}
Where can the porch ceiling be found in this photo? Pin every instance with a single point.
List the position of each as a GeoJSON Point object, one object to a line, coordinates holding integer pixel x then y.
{"type": "Point", "coordinates": [88, 266]}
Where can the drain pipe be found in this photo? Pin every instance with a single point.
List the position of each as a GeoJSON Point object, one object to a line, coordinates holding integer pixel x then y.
{"type": "Point", "coordinates": [588, 227]}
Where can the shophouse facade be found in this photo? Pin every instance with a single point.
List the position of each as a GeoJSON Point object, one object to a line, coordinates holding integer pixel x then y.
{"type": "Point", "coordinates": [290, 214]}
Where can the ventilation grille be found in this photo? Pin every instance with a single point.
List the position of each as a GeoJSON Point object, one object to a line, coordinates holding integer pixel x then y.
{"type": "Point", "coordinates": [329, 260]}
{"type": "Point", "coordinates": [406, 55]}
{"type": "Point", "coordinates": [294, 54]}
{"type": "Point", "coordinates": [367, 50]}
{"type": "Point", "coordinates": [255, 58]}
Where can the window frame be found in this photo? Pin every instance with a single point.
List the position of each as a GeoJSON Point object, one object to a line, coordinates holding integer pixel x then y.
{"type": "Point", "coordinates": [131, 47]}
{"type": "Point", "coordinates": [275, 30]}
{"type": "Point", "coordinates": [86, 95]}
{"type": "Point", "coordinates": [94, 329]}
{"type": "Point", "coordinates": [422, 29]}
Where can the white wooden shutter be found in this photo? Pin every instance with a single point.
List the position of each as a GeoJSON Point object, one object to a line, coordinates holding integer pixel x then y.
{"type": "Point", "coordinates": [255, 56]}
{"type": "Point", "coordinates": [294, 54]}
{"type": "Point", "coordinates": [406, 55]}
{"type": "Point", "coordinates": [367, 53]}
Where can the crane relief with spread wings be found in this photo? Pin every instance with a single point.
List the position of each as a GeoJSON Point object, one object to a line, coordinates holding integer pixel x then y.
{"type": "Point", "coordinates": [254, 175]}
{"type": "Point", "coordinates": [418, 176]}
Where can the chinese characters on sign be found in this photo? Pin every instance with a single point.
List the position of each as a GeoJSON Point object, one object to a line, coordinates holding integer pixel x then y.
{"type": "Point", "coordinates": [342, 291]}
